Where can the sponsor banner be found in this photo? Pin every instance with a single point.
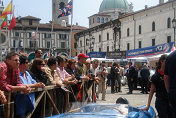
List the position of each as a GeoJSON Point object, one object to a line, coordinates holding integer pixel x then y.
{"type": "Point", "coordinates": [96, 54]}
{"type": "Point", "coordinates": [153, 50]}
{"type": "Point", "coordinates": [116, 55]}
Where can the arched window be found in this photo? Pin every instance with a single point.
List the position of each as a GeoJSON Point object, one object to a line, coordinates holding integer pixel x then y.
{"type": "Point", "coordinates": [106, 20]}
{"type": "Point", "coordinates": [98, 20]}
{"type": "Point", "coordinates": [153, 26]}
{"type": "Point", "coordinates": [102, 20]}
{"type": "Point", "coordinates": [169, 23]}
{"type": "Point", "coordinates": [128, 32]}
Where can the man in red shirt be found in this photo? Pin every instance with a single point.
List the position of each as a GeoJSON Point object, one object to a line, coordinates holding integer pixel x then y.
{"type": "Point", "coordinates": [9, 75]}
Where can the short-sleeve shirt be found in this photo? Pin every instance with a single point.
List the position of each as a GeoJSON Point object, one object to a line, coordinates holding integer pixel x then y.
{"type": "Point", "coordinates": [25, 103]}
{"type": "Point", "coordinates": [158, 80]}
{"type": "Point", "coordinates": [8, 77]}
{"type": "Point", "coordinates": [170, 70]}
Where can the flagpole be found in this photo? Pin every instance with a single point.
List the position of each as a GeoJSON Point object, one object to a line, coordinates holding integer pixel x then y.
{"type": "Point", "coordinates": [70, 44]}
{"type": "Point", "coordinates": [1, 44]}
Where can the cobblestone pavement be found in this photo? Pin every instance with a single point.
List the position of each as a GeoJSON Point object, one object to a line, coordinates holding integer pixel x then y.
{"type": "Point", "coordinates": [136, 99]}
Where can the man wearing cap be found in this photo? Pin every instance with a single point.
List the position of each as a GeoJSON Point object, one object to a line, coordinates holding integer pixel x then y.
{"type": "Point", "coordinates": [80, 70]}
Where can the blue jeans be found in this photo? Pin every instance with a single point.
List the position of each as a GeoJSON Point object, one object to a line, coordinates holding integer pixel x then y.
{"type": "Point", "coordinates": [163, 108]}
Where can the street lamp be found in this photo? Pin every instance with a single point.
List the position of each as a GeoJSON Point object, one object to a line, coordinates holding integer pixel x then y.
{"type": "Point", "coordinates": [174, 26]}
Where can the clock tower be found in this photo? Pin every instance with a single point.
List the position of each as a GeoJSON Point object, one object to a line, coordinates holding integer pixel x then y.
{"type": "Point", "coordinates": [57, 7]}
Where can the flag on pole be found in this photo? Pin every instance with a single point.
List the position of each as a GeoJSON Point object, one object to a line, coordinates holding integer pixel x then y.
{"type": "Point", "coordinates": [35, 33]}
{"type": "Point", "coordinates": [8, 9]}
{"type": "Point", "coordinates": [4, 23]}
{"type": "Point", "coordinates": [67, 10]}
{"type": "Point", "coordinates": [3, 16]}
{"type": "Point", "coordinates": [13, 23]}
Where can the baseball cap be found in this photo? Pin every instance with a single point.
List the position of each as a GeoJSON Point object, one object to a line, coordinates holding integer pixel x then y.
{"type": "Point", "coordinates": [82, 55]}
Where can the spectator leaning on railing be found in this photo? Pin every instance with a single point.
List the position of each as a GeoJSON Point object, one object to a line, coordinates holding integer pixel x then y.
{"type": "Point", "coordinates": [9, 74]}
{"type": "Point", "coordinates": [25, 103]}
{"type": "Point", "coordinates": [66, 78]}
{"type": "Point", "coordinates": [3, 99]}
{"type": "Point", "coordinates": [37, 71]}
{"type": "Point", "coordinates": [50, 71]}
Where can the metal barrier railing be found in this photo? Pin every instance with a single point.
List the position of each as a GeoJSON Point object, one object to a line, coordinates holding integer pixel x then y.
{"type": "Point", "coordinates": [88, 95]}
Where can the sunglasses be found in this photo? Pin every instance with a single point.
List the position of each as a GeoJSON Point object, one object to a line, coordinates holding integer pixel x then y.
{"type": "Point", "coordinates": [42, 64]}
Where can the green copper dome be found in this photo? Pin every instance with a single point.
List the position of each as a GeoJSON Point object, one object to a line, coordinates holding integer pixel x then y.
{"type": "Point", "coordinates": [113, 4]}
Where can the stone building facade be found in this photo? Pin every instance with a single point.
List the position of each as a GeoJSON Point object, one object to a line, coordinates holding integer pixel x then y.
{"type": "Point", "coordinates": [144, 28]}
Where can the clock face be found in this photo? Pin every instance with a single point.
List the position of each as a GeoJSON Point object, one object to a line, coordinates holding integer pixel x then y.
{"type": "Point", "coordinates": [61, 5]}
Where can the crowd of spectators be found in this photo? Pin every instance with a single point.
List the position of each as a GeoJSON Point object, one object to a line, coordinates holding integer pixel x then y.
{"type": "Point", "coordinates": [19, 77]}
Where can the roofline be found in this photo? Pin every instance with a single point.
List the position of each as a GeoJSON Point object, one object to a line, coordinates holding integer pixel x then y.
{"type": "Point", "coordinates": [111, 23]}
{"type": "Point", "coordinates": [133, 13]}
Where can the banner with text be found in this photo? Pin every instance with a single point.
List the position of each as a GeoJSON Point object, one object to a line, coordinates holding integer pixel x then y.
{"type": "Point", "coordinates": [97, 54]}
{"type": "Point", "coordinates": [153, 50]}
{"type": "Point", "coordinates": [116, 55]}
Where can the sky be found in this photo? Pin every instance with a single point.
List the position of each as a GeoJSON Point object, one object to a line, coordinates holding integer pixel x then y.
{"type": "Point", "coordinates": [82, 9]}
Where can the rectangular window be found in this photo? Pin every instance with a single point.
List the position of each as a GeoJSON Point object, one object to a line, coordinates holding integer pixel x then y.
{"type": "Point", "coordinates": [128, 46]}
{"type": "Point", "coordinates": [107, 36]}
{"type": "Point", "coordinates": [62, 44]}
{"type": "Point", "coordinates": [80, 43]}
{"type": "Point", "coordinates": [153, 26]}
{"type": "Point", "coordinates": [47, 35]}
{"type": "Point", "coordinates": [29, 35]}
{"type": "Point", "coordinates": [99, 38]}
{"type": "Point", "coordinates": [32, 44]}
{"type": "Point", "coordinates": [99, 49]}
{"type": "Point", "coordinates": [168, 39]}
{"type": "Point", "coordinates": [48, 44]}
{"type": "Point", "coordinates": [140, 30]}
{"type": "Point", "coordinates": [63, 36]}
{"type": "Point", "coordinates": [107, 48]}
{"type": "Point", "coordinates": [30, 22]}
{"type": "Point", "coordinates": [87, 42]}
{"type": "Point", "coordinates": [153, 42]}
{"type": "Point", "coordinates": [17, 34]}
{"type": "Point", "coordinates": [128, 32]}
{"type": "Point", "coordinates": [140, 44]}
{"type": "Point", "coordinates": [14, 43]}
{"type": "Point", "coordinates": [75, 45]}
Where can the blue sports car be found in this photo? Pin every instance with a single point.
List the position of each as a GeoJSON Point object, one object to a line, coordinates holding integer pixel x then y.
{"type": "Point", "coordinates": [108, 111]}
